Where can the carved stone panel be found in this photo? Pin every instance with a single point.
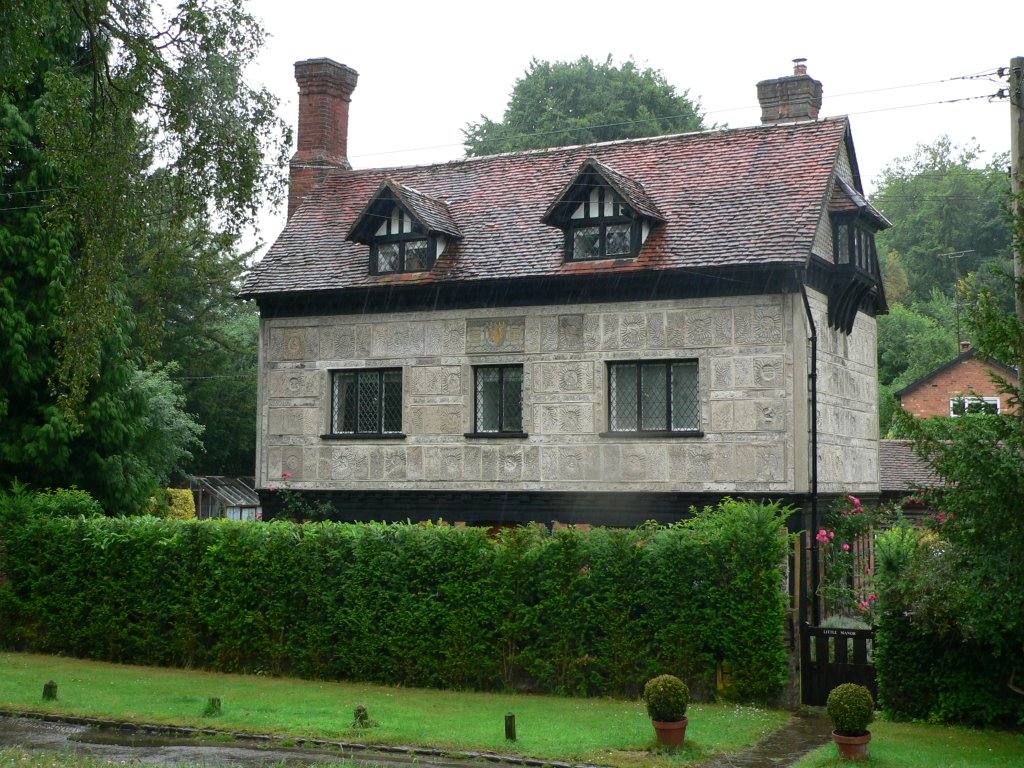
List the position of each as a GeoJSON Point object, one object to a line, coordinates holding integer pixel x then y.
{"type": "Point", "coordinates": [292, 462]}
{"type": "Point", "coordinates": [453, 340]}
{"type": "Point", "coordinates": [758, 325]}
{"type": "Point", "coordinates": [675, 329]}
{"type": "Point", "coordinates": [570, 333]}
{"type": "Point", "coordinates": [398, 340]}
{"type": "Point", "coordinates": [350, 463]}
{"type": "Point", "coordinates": [435, 380]}
{"type": "Point", "coordinates": [548, 333]}
{"type": "Point", "coordinates": [578, 463]}
{"type": "Point", "coordinates": [293, 421]}
{"type": "Point", "coordinates": [768, 372]}
{"type": "Point", "coordinates": [708, 327]}
{"type": "Point", "coordinates": [293, 344]}
{"type": "Point", "coordinates": [563, 378]}
{"type": "Point", "coordinates": [294, 383]}
{"type": "Point", "coordinates": [564, 418]}
{"type": "Point", "coordinates": [388, 463]}
{"type": "Point", "coordinates": [690, 463]}
{"type": "Point", "coordinates": [655, 330]}
{"type": "Point", "coordinates": [338, 342]}
{"type": "Point", "coordinates": [442, 463]}
{"type": "Point", "coordinates": [500, 334]}
{"type": "Point", "coordinates": [435, 420]}
{"type": "Point", "coordinates": [632, 331]}
{"type": "Point", "coordinates": [591, 332]}
{"type": "Point", "coordinates": [721, 373]}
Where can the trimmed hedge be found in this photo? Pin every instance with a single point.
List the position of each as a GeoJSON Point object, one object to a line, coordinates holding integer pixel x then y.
{"type": "Point", "coordinates": [583, 612]}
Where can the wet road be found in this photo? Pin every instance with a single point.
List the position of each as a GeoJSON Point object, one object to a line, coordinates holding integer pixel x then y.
{"type": "Point", "coordinates": [175, 750]}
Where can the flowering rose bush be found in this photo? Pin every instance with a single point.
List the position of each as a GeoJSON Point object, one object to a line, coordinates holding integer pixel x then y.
{"type": "Point", "coordinates": [847, 586]}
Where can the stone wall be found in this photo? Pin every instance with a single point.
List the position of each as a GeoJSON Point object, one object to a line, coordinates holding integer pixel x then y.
{"type": "Point", "coordinates": [743, 346]}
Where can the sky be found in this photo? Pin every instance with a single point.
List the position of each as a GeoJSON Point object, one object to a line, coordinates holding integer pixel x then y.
{"type": "Point", "coordinates": [905, 71]}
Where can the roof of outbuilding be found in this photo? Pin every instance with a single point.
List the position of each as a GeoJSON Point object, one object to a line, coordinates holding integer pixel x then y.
{"type": "Point", "coordinates": [736, 197]}
{"type": "Point", "coordinates": [901, 470]}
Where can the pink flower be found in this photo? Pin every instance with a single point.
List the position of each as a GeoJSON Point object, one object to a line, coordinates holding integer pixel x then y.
{"type": "Point", "coordinates": [846, 547]}
{"type": "Point", "coordinates": [822, 536]}
{"type": "Point", "coordinates": [286, 474]}
{"type": "Point", "coordinates": [864, 605]}
{"type": "Point", "coordinates": [855, 501]}
{"type": "Point", "coordinates": [831, 534]}
{"type": "Point", "coordinates": [872, 597]}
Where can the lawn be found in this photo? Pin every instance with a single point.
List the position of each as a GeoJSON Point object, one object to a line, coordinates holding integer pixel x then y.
{"type": "Point", "coordinates": [601, 731]}
{"type": "Point", "coordinates": [918, 745]}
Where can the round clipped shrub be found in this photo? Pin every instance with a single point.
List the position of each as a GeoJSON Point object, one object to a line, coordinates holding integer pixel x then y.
{"type": "Point", "coordinates": [851, 708]}
{"type": "Point", "coordinates": [667, 698]}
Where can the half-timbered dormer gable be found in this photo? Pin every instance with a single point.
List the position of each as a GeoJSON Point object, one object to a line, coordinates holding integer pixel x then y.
{"type": "Point", "coordinates": [604, 214]}
{"type": "Point", "coordinates": [406, 230]}
{"type": "Point", "coordinates": [856, 275]}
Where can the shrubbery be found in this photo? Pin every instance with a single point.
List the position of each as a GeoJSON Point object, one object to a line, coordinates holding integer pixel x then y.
{"type": "Point", "coordinates": [581, 612]}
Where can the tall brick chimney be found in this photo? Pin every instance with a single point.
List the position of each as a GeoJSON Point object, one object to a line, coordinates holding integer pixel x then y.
{"type": "Point", "coordinates": [325, 90]}
{"type": "Point", "coordinates": [790, 99]}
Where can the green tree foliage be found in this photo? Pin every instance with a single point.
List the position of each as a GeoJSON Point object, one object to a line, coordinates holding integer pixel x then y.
{"type": "Point", "coordinates": [940, 202]}
{"type": "Point", "coordinates": [584, 612]}
{"type": "Point", "coordinates": [965, 591]}
{"type": "Point", "coordinates": [124, 127]}
{"type": "Point", "coordinates": [560, 103]}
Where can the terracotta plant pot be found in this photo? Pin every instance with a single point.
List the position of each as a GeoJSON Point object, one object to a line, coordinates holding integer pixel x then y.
{"type": "Point", "coordinates": [670, 734]}
{"type": "Point", "coordinates": [852, 747]}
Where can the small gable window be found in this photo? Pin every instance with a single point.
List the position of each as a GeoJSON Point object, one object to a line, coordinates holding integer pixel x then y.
{"type": "Point", "coordinates": [407, 230]}
{"type": "Point", "coordinates": [604, 214]}
{"type": "Point", "coordinates": [602, 227]}
{"type": "Point", "coordinates": [401, 245]}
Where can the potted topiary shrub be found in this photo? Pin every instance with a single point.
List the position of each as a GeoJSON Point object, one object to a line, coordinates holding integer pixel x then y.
{"type": "Point", "coordinates": [851, 708]}
{"type": "Point", "coordinates": [667, 698]}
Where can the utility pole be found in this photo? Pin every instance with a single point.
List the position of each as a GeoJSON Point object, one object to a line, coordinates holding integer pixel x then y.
{"type": "Point", "coordinates": [1016, 93]}
{"type": "Point", "coordinates": [955, 257]}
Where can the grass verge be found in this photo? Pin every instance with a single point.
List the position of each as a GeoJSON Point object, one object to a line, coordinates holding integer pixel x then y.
{"type": "Point", "coordinates": [599, 731]}
{"type": "Point", "coordinates": [918, 745]}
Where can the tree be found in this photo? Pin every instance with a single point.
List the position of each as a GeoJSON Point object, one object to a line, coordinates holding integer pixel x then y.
{"type": "Point", "coordinates": [981, 503]}
{"type": "Point", "coordinates": [118, 119]}
{"type": "Point", "coordinates": [941, 202]}
{"type": "Point", "coordinates": [561, 103]}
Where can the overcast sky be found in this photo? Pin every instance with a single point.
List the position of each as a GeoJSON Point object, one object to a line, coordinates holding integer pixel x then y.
{"type": "Point", "coordinates": [428, 68]}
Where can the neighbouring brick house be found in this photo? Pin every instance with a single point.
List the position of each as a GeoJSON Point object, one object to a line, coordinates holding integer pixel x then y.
{"type": "Point", "coordinates": [964, 384]}
{"type": "Point", "coordinates": [607, 333]}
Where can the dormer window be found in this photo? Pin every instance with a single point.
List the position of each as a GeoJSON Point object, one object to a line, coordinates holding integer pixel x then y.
{"type": "Point", "coordinates": [401, 245]}
{"type": "Point", "coordinates": [604, 214]}
{"type": "Point", "coordinates": [602, 227]}
{"type": "Point", "coordinates": [407, 231]}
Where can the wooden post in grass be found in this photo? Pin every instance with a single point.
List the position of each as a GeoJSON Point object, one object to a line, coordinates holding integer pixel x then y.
{"type": "Point", "coordinates": [50, 691]}
{"type": "Point", "coordinates": [510, 727]}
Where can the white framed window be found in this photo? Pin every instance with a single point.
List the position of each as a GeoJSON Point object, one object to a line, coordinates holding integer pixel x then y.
{"type": "Point", "coordinates": [958, 406]}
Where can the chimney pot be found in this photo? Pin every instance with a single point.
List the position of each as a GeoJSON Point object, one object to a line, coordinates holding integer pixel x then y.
{"type": "Point", "coordinates": [799, 66]}
{"type": "Point", "coordinates": [325, 90]}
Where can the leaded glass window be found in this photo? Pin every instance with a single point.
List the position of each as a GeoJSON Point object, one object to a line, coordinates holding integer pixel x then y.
{"type": "Point", "coordinates": [602, 227]}
{"type": "Point", "coordinates": [499, 398]}
{"type": "Point", "coordinates": [401, 245]}
{"type": "Point", "coordinates": [365, 402]}
{"type": "Point", "coordinates": [654, 396]}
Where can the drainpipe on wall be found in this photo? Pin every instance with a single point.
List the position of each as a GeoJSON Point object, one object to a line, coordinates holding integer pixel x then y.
{"type": "Point", "coordinates": [812, 377]}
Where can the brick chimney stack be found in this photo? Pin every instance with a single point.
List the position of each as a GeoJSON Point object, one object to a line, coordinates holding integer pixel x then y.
{"type": "Point", "coordinates": [325, 90]}
{"type": "Point", "coordinates": [790, 99]}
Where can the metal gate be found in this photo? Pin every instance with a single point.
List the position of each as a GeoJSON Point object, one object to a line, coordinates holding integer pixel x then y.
{"type": "Point", "coordinates": [830, 656]}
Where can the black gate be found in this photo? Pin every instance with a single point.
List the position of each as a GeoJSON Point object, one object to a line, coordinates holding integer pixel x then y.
{"type": "Point", "coordinates": [830, 656]}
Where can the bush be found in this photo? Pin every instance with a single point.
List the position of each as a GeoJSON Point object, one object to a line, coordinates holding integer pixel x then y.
{"type": "Point", "coordinates": [667, 698]}
{"type": "Point", "coordinates": [576, 612]}
{"type": "Point", "coordinates": [851, 709]}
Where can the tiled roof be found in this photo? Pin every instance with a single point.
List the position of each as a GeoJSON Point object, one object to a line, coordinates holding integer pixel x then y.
{"type": "Point", "coordinates": [740, 197]}
{"type": "Point", "coordinates": [901, 469]}
{"type": "Point", "coordinates": [432, 214]}
{"type": "Point", "coordinates": [632, 193]}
